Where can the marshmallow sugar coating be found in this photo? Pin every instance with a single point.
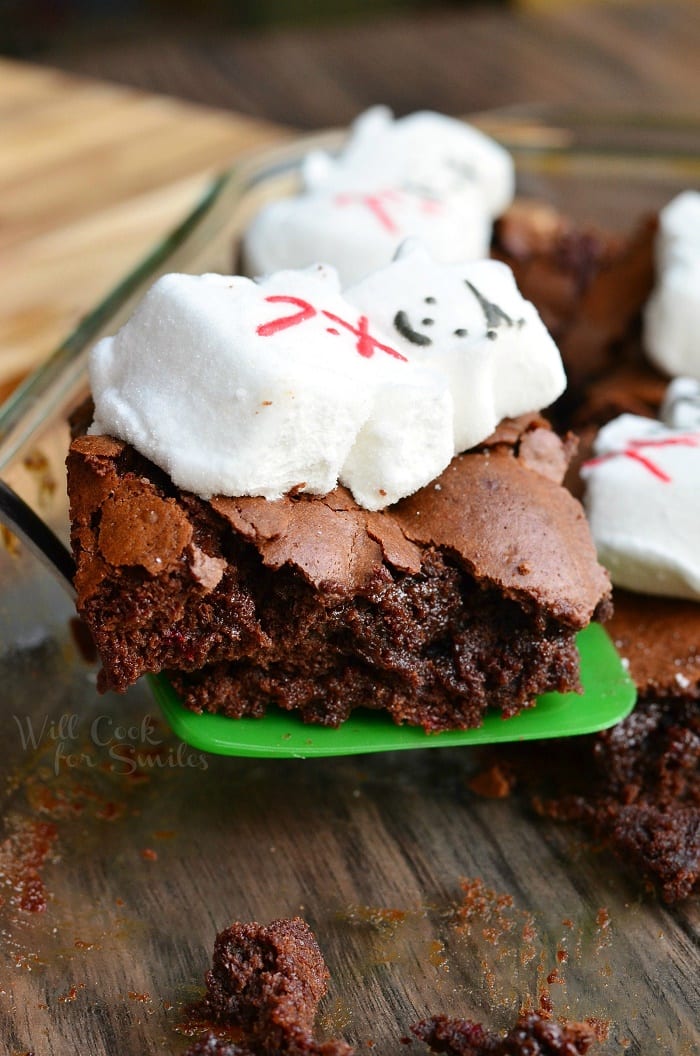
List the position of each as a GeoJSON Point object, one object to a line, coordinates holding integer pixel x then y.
{"type": "Point", "coordinates": [643, 505]}
{"type": "Point", "coordinates": [241, 388]}
{"type": "Point", "coordinates": [672, 314]}
{"type": "Point", "coordinates": [470, 323]}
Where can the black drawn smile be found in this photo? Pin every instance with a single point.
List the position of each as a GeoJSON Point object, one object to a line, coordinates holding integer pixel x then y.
{"type": "Point", "coordinates": [403, 325]}
{"type": "Point", "coordinates": [494, 317]}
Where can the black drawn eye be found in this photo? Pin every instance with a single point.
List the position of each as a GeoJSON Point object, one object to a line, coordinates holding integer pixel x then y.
{"type": "Point", "coordinates": [461, 332]}
{"type": "Point", "coordinates": [430, 300]}
{"type": "Point", "coordinates": [427, 322]}
{"type": "Point", "coordinates": [494, 315]}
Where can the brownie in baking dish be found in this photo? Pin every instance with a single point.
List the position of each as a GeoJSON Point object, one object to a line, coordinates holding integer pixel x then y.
{"type": "Point", "coordinates": [465, 595]}
{"type": "Point", "coordinates": [636, 787]}
{"type": "Point", "coordinates": [589, 286]}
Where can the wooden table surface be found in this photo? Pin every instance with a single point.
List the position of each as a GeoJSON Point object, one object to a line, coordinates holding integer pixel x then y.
{"type": "Point", "coordinates": [91, 175]}
{"type": "Point", "coordinates": [140, 874]}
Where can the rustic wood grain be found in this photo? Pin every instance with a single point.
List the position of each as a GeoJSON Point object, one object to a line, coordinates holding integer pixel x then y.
{"type": "Point", "coordinates": [91, 176]}
{"type": "Point", "coordinates": [372, 851]}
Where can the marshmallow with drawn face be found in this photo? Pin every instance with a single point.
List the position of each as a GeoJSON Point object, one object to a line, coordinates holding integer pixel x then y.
{"type": "Point", "coordinates": [643, 505]}
{"type": "Point", "coordinates": [672, 314]}
{"type": "Point", "coordinates": [241, 388]}
{"type": "Point", "coordinates": [425, 152]}
{"type": "Point", "coordinates": [425, 176]}
{"type": "Point", "coordinates": [469, 322]}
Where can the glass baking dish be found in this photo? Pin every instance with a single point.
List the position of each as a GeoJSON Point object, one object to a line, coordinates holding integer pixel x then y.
{"type": "Point", "coordinates": [140, 848]}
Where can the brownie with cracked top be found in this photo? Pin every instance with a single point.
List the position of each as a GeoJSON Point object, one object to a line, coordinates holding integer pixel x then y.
{"type": "Point", "coordinates": [465, 595]}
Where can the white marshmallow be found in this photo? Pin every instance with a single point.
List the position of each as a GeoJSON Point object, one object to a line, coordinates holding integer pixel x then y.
{"type": "Point", "coordinates": [407, 434]}
{"type": "Point", "coordinates": [681, 404]}
{"type": "Point", "coordinates": [470, 322]}
{"type": "Point", "coordinates": [359, 232]}
{"type": "Point", "coordinates": [643, 504]}
{"type": "Point", "coordinates": [239, 388]}
{"type": "Point", "coordinates": [672, 314]}
{"type": "Point", "coordinates": [425, 151]}
{"type": "Point", "coordinates": [426, 176]}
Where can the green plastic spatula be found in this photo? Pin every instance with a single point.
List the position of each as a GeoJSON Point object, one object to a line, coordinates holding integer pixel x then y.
{"type": "Point", "coordinates": [608, 696]}
{"type": "Point", "coordinates": [608, 692]}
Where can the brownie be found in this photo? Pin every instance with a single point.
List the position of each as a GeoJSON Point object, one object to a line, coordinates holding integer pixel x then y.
{"type": "Point", "coordinates": [631, 388]}
{"type": "Point", "coordinates": [466, 595]}
{"type": "Point", "coordinates": [642, 794]}
{"type": "Point", "coordinates": [637, 787]}
{"type": "Point", "coordinates": [266, 981]}
{"type": "Point", "coordinates": [589, 287]}
{"type": "Point", "coordinates": [532, 1035]}
{"type": "Point", "coordinates": [660, 640]}
{"type": "Point", "coordinates": [658, 636]}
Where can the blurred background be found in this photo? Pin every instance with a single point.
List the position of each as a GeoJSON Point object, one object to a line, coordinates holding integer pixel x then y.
{"type": "Point", "coordinates": [309, 64]}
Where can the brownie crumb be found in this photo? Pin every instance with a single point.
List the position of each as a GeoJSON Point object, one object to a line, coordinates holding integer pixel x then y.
{"type": "Point", "coordinates": [636, 787]}
{"type": "Point", "coordinates": [496, 782]}
{"type": "Point", "coordinates": [532, 1035]}
{"type": "Point", "coordinates": [267, 981]}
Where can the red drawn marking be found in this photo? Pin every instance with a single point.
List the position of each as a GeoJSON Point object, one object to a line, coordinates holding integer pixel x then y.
{"type": "Point", "coordinates": [376, 203]}
{"type": "Point", "coordinates": [632, 451]}
{"type": "Point", "coordinates": [366, 344]}
{"type": "Point", "coordinates": [332, 330]}
{"type": "Point", "coordinates": [306, 311]}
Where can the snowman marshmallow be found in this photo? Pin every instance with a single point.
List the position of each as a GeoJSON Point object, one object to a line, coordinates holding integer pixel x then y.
{"type": "Point", "coordinates": [672, 314]}
{"type": "Point", "coordinates": [425, 176]}
{"type": "Point", "coordinates": [469, 322]}
{"type": "Point", "coordinates": [643, 505]}
{"type": "Point", "coordinates": [241, 388]}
